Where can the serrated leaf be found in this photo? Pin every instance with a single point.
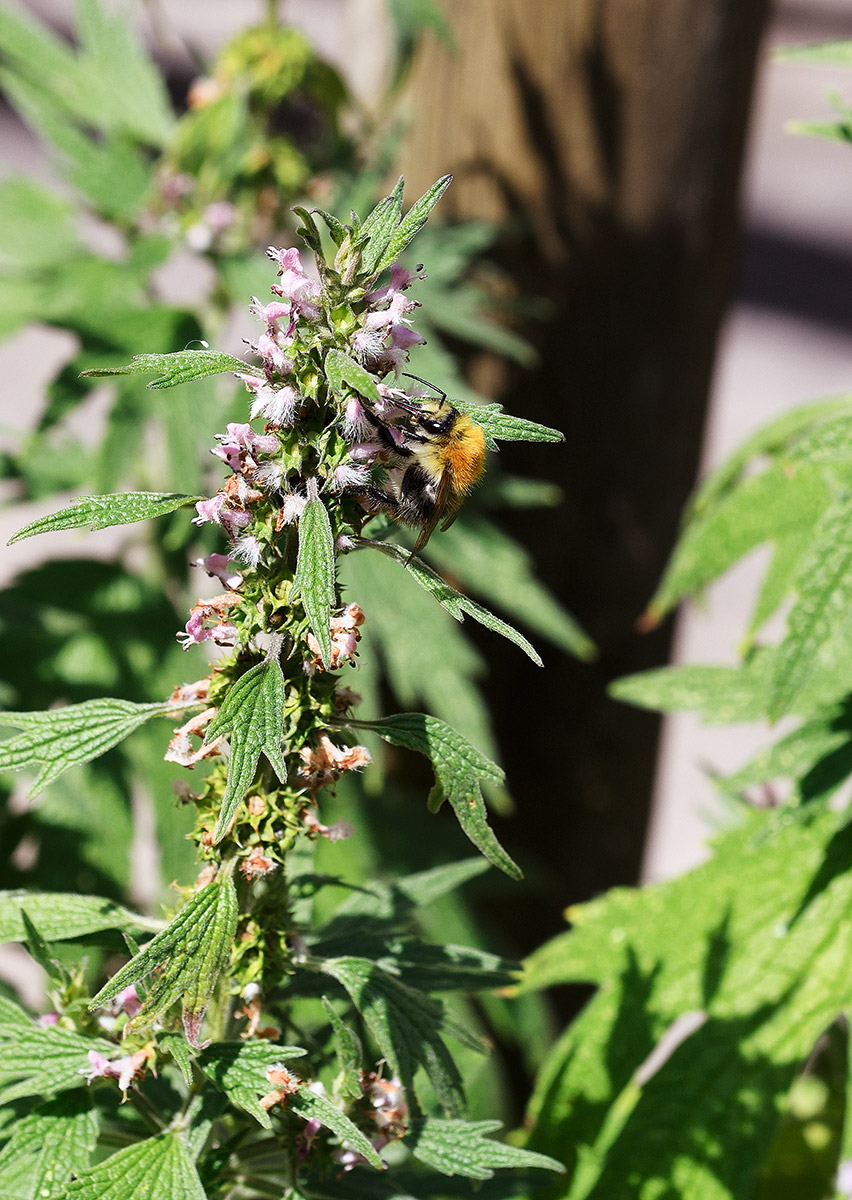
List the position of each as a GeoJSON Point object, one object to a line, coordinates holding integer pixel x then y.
{"type": "Point", "coordinates": [252, 715]}
{"type": "Point", "coordinates": [406, 1024]}
{"type": "Point", "coordinates": [336, 228]}
{"type": "Point", "coordinates": [763, 508]}
{"type": "Point", "coordinates": [456, 604]}
{"type": "Point", "coordinates": [721, 694]}
{"type": "Point", "coordinates": [36, 1061]}
{"type": "Point", "coordinates": [820, 611]}
{"type": "Point", "coordinates": [460, 770]}
{"type": "Point", "coordinates": [188, 957]}
{"type": "Point", "coordinates": [311, 1107]}
{"type": "Point", "coordinates": [743, 962]}
{"type": "Point", "coordinates": [47, 1147]}
{"type": "Point", "coordinates": [413, 222]}
{"type": "Point", "coordinates": [816, 757]}
{"type": "Point", "coordinates": [315, 573]}
{"type": "Point", "coordinates": [498, 425]}
{"type": "Point", "coordinates": [101, 512]}
{"type": "Point", "coordinates": [182, 366]}
{"type": "Point", "coordinates": [347, 1049]}
{"type": "Point", "coordinates": [151, 1170]}
{"type": "Point", "coordinates": [492, 564]}
{"type": "Point", "coordinates": [381, 225]}
{"type": "Point", "coordinates": [61, 738]}
{"type": "Point", "coordinates": [464, 1148]}
{"type": "Point", "coordinates": [239, 1069]}
{"type": "Point", "coordinates": [340, 369]}
{"type": "Point", "coordinates": [177, 1046]}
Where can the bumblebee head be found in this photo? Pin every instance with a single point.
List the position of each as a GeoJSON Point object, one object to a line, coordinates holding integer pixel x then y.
{"type": "Point", "coordinates": [431, 417]}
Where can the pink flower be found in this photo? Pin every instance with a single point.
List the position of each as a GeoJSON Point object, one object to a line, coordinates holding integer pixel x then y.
{"type": "Point", "coordinates": [219, 216]}
{"type": "Point", "coordinates": [207, 624]}
{"type": "Point", "coordinates": [218, 566]}
{"type": "Point", "coordinates": [294, 284]}
{"type": "Point", "coordinates": [356, 426]}
{"type": "Point", "coordinates": [292, 507]}
{"type": "Point", "coordinates": [278, 405]}
{"type": "Point", "coordinates": [249, 549]}
{"type": "Point", "coordinates": [400, 280]}
{"type": "Point", "coordinates": [127, 1001]}
{"type": "Point", "coordinates": [209, 510]}
{"type": "Point", "coordinates": [349, 475]}
{"type": "Point", "coordinates": [125, 1069]}
{"type": "Point", "coordinates": [403, 338]}
{"type": "Point", "coordinates": [181, 750]}
{"type": "Point", "coordinates": [47, 1019]}
{"type": "Point", "coordinates": [337, 832]}
{"type": "Point", "coordinates": [234, 519]}
{"type": "Point", "coordinates": [269, 349]}
{"type": "Point", "coordinates": [269, 313]}
{"type": "Point", "coordinates": [365, 451]}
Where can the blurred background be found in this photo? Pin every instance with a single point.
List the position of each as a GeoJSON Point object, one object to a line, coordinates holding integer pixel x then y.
{"type": "Point", "coordinates": [665, 265]}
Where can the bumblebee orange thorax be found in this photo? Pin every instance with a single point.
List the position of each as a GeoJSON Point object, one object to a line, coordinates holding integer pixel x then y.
{"type": "Point", "coordinates": [463, 454]}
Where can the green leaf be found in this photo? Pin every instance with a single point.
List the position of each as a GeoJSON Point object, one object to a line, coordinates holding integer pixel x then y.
{"type": "Point", "coordinates": [47, 1147]}
{"type": "Point", "coordinates": [835, 54]}
{"type": "Point", "coordinates": [64, 915]}
{"type": "Point", "coordinates": [502, 426]}
{"type": "Point", "coordinates": [821, 609]}
{"type": "Point", "coordinates": [239, 1069]}
{"type": "Point", "coordinates": [347, 1049]}
{"type": "Point", "coordinates": [713, 990]}
{"type": "Point", "coordinates": [36, 1061]}
{"type": "Point", "coordinates": [763, 508]}
{"type": "Point", "coordinates": [464, 1148]}
{"type": "Point", "coordinates": [336, 228]}
{"type": "Point", "coordinates": [188, 957]}
{"type": "Point", "coordinates": [721, 694]}
{"type": "Point", "coordinates": [100, 512]}
{"type": "Point", "coordinates": [180, 367]}
{"type": "Point", "coordinates": [176, 1045]}
{"type": "Point", "coordinates": [831, 131]}
{"type": "Point", "coordinates": [492, 564]}
{"type": "Point", "coordinates": [311, 1107]}
{"type": "Point", "coordinates": [61, 738]}
{"type": "Point", "coordinates": [381, 225]}
{"type": "Point", "coordinates": [151, 1170]}
{"type": "Point", "coordinates": [35, 226]}
{"type": "Point", "coordinates": [816, 757]}
{"type": "Point", "coordinates": [252, 714]}
{"type": "Point", "coordinates": [406, 1024]}
{"type": "Point", "coordinates": [413, 222]}
{"type": "Point", "coordinates": [456, 604]}
{"type": "Point", "coordinates": [460, 770]}
{"type": "Point", "coordinates": [340, 369]}
{"type": "Point", "coordinates": [315, 574]}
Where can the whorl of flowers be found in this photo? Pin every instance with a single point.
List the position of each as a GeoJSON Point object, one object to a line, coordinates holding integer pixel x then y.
{"type": "Point", "coordinates": [300, 442]}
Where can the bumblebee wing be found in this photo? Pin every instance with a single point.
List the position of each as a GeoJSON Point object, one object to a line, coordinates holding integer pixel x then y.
{"type": "Point", "coordinates": [452, 510]}
{"type": "Point", "coordinates": [444, 501]}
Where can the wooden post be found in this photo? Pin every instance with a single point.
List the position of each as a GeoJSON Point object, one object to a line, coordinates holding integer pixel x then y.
{"type": "Point", "coordinates": [615, 130]}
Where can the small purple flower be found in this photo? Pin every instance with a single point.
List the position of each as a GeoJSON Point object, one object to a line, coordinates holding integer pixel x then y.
{"type": "Point", "coordinates": [365, 451]}
{"type": "Point", "coordinates": [47, 1019]}
{"type": "Point", "coordinates": [218, 566]}
{"type": "Point", "coordinates": [403, 338]}
{"type": "Point", "coordinates": [209, 510]}
{"type": "Point", "coordinates": [127, 1001]}
{"type": "Point", "coordinates": [400, 280]}
{"type": "Point", "coordinates": [272, 353]}
{"type": "Point", "coordinates": [234, 519]}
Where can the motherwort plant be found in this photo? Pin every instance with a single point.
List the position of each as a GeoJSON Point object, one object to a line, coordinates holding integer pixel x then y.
{"type": "Point", "coordinates": [258, 1053]}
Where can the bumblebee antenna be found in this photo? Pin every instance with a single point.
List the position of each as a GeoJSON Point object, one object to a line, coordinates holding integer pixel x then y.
{"type": "Point", "coordinates": [441, 393]}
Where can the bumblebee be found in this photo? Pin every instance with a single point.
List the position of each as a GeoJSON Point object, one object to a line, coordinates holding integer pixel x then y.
{"type": "Point", "coordinates": [443, 456]}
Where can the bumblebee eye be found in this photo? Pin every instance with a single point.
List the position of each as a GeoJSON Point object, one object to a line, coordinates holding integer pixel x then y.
{"type": "Point", "coordinates": [430, 425]}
